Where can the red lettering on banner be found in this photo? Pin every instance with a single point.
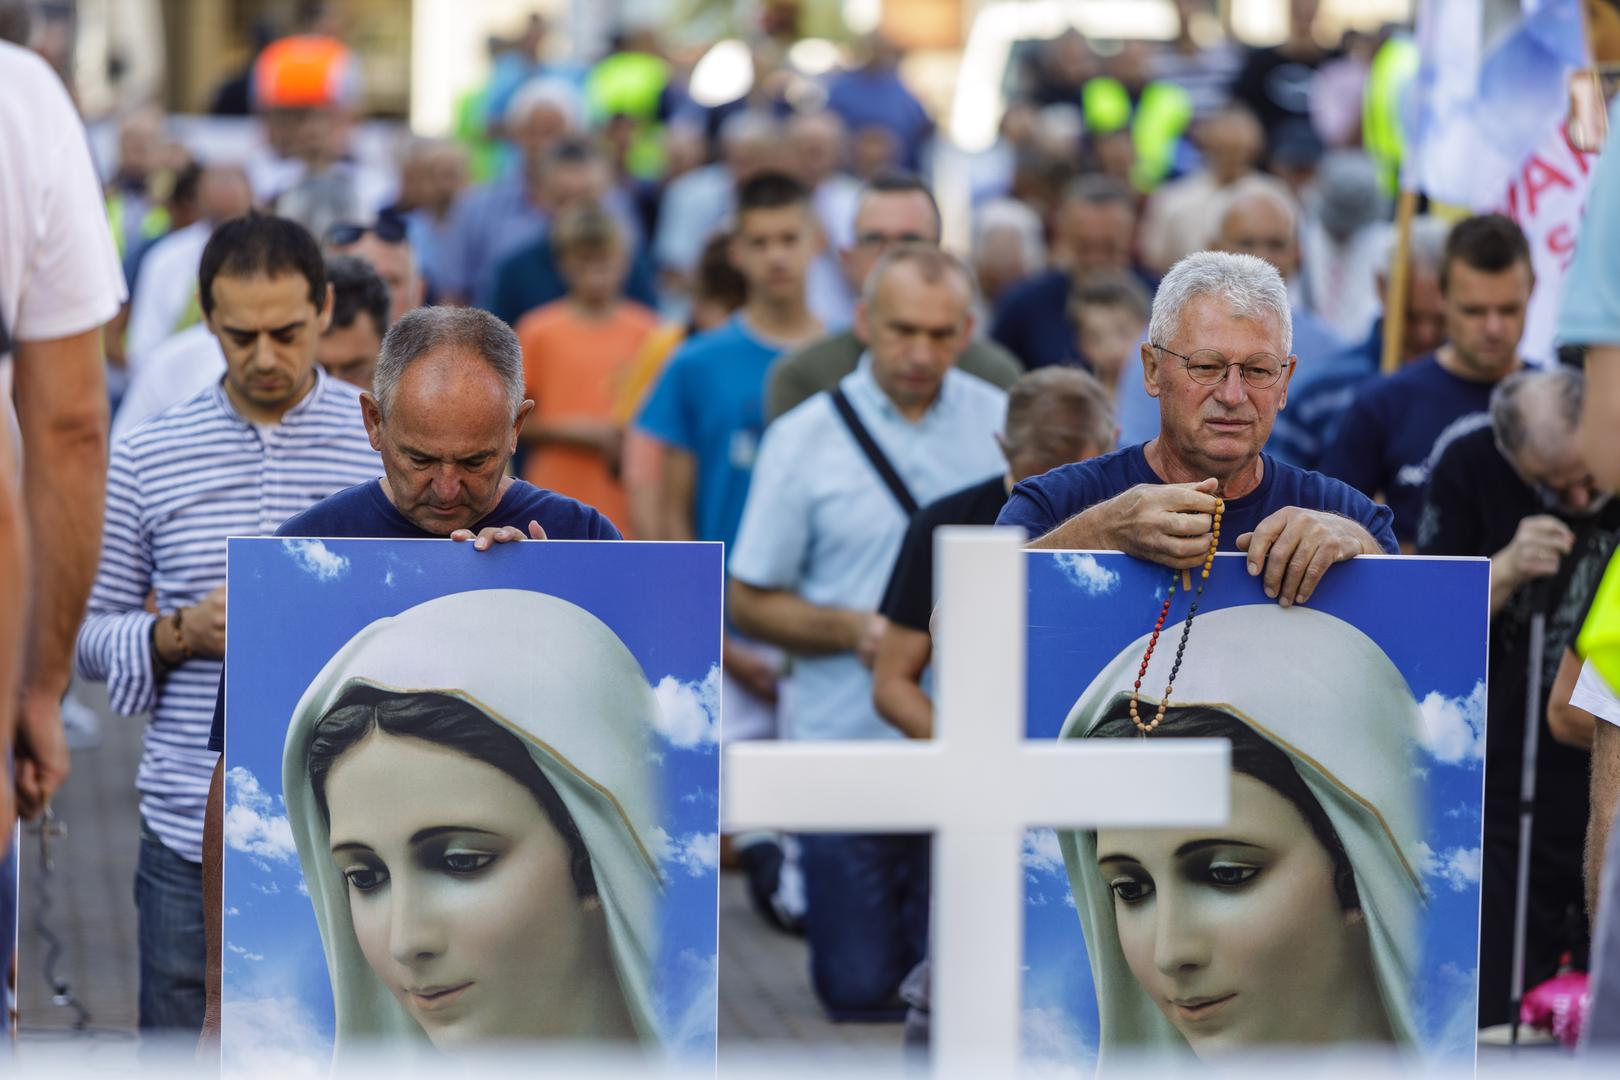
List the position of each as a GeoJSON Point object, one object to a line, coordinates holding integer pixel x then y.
{"type": "Point", "coordinates": [1583, 158]}
{"type": "Point", "coordinates": [1539, 176]}
{"type": "Point", "coordinates": [1512, 207]}
{"type": "Point", "coordinates": [1561, 242]}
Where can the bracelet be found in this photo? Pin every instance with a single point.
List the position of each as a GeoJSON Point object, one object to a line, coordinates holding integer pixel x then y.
{"type": "Point", "coordinates": [179, 636]}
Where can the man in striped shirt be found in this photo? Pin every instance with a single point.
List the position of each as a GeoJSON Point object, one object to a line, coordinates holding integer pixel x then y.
{"type": "Point", "coordinates": [272, 438]}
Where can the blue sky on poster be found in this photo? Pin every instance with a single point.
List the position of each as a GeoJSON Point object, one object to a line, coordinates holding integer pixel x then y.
{"type": "Point", "coordinates": [294, 603]}
{"type": "Point", "coordinates": [1428, 616]}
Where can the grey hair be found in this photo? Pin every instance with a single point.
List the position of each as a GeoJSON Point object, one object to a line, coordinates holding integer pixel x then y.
{"type": "Point", "coordinates": [1014, 216]}
{"type": "Point", "coordinates": [931, 262]}
{"type": "Point", "coordinates": [1041, 401]}
{"type": "Point", "coordinates": [1536, 406]}
{"type": "Point", "coordinates": [537, 92]}
{"type": "Point", "coordinates": [1251, 288]}
{"type": "Point", "coordinates": [448, 329]}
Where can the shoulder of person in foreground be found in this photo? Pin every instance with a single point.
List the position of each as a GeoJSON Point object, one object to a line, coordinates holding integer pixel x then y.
{"type": "Point", "coordinates": [1313, 491]}
{"type": "Point", "coordinates": [562, 517]}
{"type": "Point", "coordinates": [1042, 503]}
{"type": "Point", "coordinates": [991, 362]}
{"type": "Point", "coordinates": [346, 512]}
{"type": "Point", "coordinates": [797, 375]}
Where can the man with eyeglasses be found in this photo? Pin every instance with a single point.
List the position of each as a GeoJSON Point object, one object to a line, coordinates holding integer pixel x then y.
{"type": "Point", "coordinates": [892, 209]}
{"type": "Point", "coordinates": [1218, 359]}
{"type": "Point", "coordinates": [1518, 490]}
{"type": "Point", "coordinates": [387, 247]}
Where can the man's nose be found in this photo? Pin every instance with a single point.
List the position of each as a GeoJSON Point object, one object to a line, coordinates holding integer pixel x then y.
{"type": "Point", "coordinates": [1232, 390]}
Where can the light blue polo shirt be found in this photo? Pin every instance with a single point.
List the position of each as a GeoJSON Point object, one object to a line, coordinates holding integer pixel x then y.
{"type": "Point", "coordinates": [821, 523]}
{"type": "Point", "coordinates": [1589, 313]}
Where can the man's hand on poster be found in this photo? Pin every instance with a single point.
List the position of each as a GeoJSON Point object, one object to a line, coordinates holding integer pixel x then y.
{"type": "Point", "coordinates": [1294, 547]}
{"type": "Point", "coordinates": [502, 534]}
{"type": "Point", "coordinates": [1164, 523]}
{"type": "Point", "coordinates": [41, 753]}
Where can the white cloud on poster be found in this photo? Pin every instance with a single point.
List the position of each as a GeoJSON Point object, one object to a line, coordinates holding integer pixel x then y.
{"type": "Point", "coordinates": [272, 1036]}
{"type": "Point", "coordinates": [252, 824]}
{"type": "Point", "coordinates": [689, 711]}
{"type": "Point", "coordinates": [1084, 571]}
{"type": "Point", "coordinates": [1052, 1035]}
{"type": "Point", "coordinates": [1042, 854]}
{"type": "Point", "coordinates": [1454, 727]}
{"type": "Point", "coordinates": [316, 559]}
{"type": "Point", "coordinates": [1458, 867]}
{"type": "Point", "coordinates": [689, 1025]}
{"type": "Point", "coordinates": [697, 853]}
{"type": "Point", "coordinates": [243, 953]}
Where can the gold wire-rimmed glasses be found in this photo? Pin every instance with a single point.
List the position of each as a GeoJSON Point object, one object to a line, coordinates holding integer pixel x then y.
{"type": "Point", "coordinates": [1208, 367]}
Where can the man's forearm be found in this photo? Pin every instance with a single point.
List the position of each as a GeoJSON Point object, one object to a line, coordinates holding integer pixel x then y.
{"type": "Point", "coordinates": [1600, 416]}
{"type": "Point", "coordinates": [213, 899]}
{"type": "Point", "coordinates": [14, 583]}
{"type": "Point", "coordinates": [62, 407]}
{"type": "Point", "coordinates": [789, 621]}
{"type": "Point", "coordinates": [1080, 532]}
{"type": "Point", "coordinates": [1605, 795]}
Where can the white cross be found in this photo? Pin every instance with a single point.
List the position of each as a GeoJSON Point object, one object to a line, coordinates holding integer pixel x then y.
{"type": "Point", "coordinates": [977, 786]}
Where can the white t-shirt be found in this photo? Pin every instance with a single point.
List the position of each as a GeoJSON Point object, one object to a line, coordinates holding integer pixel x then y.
{"type": "Point", "coordinates": [1592, 693]}
{"type": "Point", "coordinates": [59, 271]}
{"type": "Point", "coordinates": [164, 289]}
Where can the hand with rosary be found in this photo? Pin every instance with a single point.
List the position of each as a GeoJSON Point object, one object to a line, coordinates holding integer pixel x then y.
{"type": "Point", "coordinates": [1147, 727]}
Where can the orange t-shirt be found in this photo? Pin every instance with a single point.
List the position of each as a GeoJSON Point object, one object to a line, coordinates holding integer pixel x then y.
{"type": "Point", "coordinates": [574, 368]}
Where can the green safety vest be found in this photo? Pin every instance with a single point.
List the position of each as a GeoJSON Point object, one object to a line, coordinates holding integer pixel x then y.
{"type": "Point", "coordinates": [1159, 120]}
{"type": "Point", "coordinates": [154, 223]}
{"type": "Point", "coordinates": [1394, 67]}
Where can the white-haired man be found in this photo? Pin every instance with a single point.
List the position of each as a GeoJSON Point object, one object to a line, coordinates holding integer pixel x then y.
{"type": "Point", "coordinates": [1218, 358]}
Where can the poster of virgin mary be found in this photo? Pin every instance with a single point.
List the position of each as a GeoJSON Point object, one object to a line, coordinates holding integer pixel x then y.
{"type": "Point", "coordinates": [1338, 906]}
{"type": "Point", "coordinates": [471, 800]}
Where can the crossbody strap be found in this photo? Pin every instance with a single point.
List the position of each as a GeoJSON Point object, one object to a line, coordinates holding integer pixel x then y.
{"type": "Point", "coordinates": [874, 452]}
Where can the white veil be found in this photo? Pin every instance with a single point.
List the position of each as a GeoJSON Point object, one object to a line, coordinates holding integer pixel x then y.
{"type": "Point", "coordinates": [554, 675]}
{"type": "Point", "coordinates": [1324, 694]}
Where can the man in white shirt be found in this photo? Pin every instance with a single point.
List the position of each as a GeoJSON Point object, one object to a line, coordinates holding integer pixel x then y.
{"type": "Point", "coordinates": [59, 282]}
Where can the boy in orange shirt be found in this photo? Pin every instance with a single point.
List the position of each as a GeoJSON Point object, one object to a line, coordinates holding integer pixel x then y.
{"type": "Point", "coordinates": [576, 353]}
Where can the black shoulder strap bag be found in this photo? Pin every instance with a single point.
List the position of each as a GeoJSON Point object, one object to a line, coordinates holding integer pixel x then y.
{"type": "Point", "coordinates": [873, 452]}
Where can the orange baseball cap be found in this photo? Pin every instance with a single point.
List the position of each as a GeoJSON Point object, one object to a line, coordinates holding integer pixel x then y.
{"type": "Point", "coordinates": [306, 71]}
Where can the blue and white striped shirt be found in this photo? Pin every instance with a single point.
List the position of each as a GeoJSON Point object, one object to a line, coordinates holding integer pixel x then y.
{"type": "Point", "coordinates": [177, 486]}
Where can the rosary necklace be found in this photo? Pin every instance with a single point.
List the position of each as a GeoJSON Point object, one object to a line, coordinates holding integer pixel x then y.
{"type": "Point", "coordinates": [1147, 727]}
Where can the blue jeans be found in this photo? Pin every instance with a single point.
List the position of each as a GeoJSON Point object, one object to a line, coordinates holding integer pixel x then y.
{"type": "Point", "coordinates": [173, 945]}
{"type": "Point", "coordinates": [867, 920]}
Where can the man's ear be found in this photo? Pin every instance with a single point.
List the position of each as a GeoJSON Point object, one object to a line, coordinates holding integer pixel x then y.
{"type": "Point", "coordinates": [522, 415]}
{"type": "Point", "coordinates": [863, 322]}
{"type": "Point", "coordinates": [1150, 369]}
{"type": "Point", "coordinates": [371, 413]}
{"type": "Point", "coordinates": [323, 321]}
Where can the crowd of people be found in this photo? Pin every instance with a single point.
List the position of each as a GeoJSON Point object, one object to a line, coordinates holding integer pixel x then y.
{"type": "Point", "coordinates": [602, 310]}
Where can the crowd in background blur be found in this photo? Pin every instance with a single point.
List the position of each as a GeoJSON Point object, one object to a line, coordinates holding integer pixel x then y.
{"type": "Point", "coordinates": [686, 277]}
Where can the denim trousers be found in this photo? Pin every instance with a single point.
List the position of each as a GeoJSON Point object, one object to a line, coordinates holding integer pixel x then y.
{"type": "Point", "coordinates": [172, 942]}
{"type": "Point", "coordinates": [867, 919]}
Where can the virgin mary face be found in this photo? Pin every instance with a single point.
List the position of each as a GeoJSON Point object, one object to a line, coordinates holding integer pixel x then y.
{"type": "Point", "coordinates": [1237, 934]}
{"type": "Point", "coordinates": [460, 894]}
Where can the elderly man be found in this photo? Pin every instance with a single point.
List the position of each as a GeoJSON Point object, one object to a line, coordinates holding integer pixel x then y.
{"type": "Point", "coordinates": [445, 411]}
{"type": "Point", "coordinates": [893, 208]}
{"type": "Point", "coordinates": [1094, 229]}
{"type": "Point", "coordinates": [1517, 490]}
{"type": "Point", "coordinates": [1054, 416]}
{"type": "Point", "coordinates": [834, 486]}
{"type": "Point", "coordinates": [235, 458]}
{"type": "Point", "coordinates": [1218, 359]}
{"type": "Point", "coordinates": [1261, 222]}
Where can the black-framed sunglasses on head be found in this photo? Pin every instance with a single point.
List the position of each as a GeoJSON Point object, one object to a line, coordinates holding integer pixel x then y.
{"type": "Point", "coordinates": [389, 228]}
{"type": "Point", "coordinates": [1208, 367]}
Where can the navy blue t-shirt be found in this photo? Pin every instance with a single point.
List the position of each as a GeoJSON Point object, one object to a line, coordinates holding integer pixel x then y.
{"type": "Point", "coordinates": [1397, 428]}
{"type": "Point", "coordinates": [364, 512]}
{"type": "Point", "coordinates": [1032, 320]}
{"type": "Point", "coordinates": [1042, 503]}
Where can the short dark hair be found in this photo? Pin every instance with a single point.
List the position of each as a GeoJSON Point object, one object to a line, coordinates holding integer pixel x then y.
{"type": "Point", "coordinates": [1252, 755]}
{"type": "Point", "coordinates": [357, 288]}
{"type": "Point", "coordinates": [444, 721]}
{"type": "Point", "coordinates": [587, 228]}
{"type": "Point", "coordinates": [1490, 243]}
{"type": "Point", "coordinates": [1098, 190]}
{"type": "Point", "coordinates": [899, 182]}
{"type": "Point", "coordinates": [770, 191]}
{"type": "Point", "coordinates": [260, 245]}
{"type": "Point", "coordinates": [1044, 405]}
{"type": "Point", "coordinates": [717, 278]}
